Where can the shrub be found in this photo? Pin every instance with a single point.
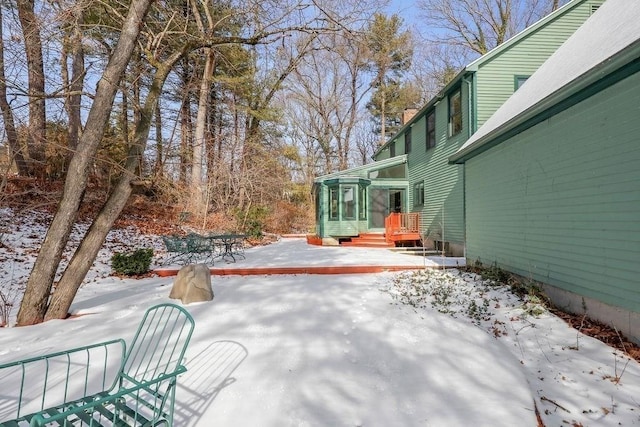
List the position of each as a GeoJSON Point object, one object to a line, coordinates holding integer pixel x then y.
{"type": "Point", "coordinates": [253, 220]}
{"type": "Point", "coordinates": [132, 264]}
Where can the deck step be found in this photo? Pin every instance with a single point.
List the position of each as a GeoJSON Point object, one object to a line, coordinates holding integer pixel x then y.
{"type": "Point", "coordinates": [369, 240]}
{"type": "Point", "coordinates": [368, 244]}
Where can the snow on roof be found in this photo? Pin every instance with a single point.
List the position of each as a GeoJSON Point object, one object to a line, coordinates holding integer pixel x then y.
{"type": "Point", "coordinates": [612, 28]}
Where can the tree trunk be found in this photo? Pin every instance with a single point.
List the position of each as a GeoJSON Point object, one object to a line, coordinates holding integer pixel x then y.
{"type": "Point", "coordinates": [76, 84]}
{"type": "Point", "coordinates": [37, 112]}
{"type": "Point", "coordinates": [88, 250]}
{"type": "Point", "coordinates": [186, 126]}
{"type": "Point", "coordinates": [158, 167]}
{"type": "Point", "coordinates": [34, 303]}
{"type": "Point", "coordinates": [198, 183]}
{"type": "Point", "coordinates": [383, 118]}
{"type": "Point", "coordinates": [7, 114]}
{"type": "Point", "coordinates": [73, 83]}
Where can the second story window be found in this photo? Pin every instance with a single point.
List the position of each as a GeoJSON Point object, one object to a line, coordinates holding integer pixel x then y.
{"type": "Point", "coordinates": [407, 141]}
{"type": "Point", "coordinates": [392, 149]}
{"type": "Point", "coordinates": [519, 81]}
{"type": "Point", "coordinates": [455, 112]}
{"type": "Point", "coordinates": [431, 129]}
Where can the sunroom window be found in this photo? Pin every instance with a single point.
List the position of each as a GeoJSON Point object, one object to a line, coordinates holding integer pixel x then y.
{"type": "Point", "coordinates": [333, 203]}
{"type": "Point", "coordinates": [348, 203]}
{"type": "Point", "coordinates": [362, 202]}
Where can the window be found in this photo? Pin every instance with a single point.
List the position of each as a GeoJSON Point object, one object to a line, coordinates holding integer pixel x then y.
{"type": "Point", "coordinates": [392, 172]}
{"type": "Point", "coordinates": [431, 129]}
{"type": "Point", "coordinates": [333, 203]}
{"type": "Point", "coordinates": [407, 141]}
{"type": "Point", "coordinates": [348, 203]}
{"type": "Point", "coordinates": [392, 149]}
{"type": "Point", "coordinates": [362, 202]}
{"type": "Point", "coordinates": [455, 112]}
{"type": "Point", "coordinates": [418, 193]}
{"type": "Point", "coordinates": [518, 81]}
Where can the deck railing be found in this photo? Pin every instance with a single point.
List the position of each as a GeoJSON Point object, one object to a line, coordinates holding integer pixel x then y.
{"type": "Point", "coordinates": [400, 223]}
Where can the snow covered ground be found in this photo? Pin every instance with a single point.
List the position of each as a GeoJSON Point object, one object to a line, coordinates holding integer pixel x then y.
{"type": "Point", "coordinates": [425, 348]}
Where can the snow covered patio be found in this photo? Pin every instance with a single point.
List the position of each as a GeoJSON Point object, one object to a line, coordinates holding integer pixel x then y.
{"type": "Point", "coordinates": [347, 349]}
{"type": "Point", "coordinates": [296, 256]}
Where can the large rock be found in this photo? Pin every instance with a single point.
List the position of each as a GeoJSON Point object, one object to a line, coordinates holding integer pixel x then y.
{"type": "Point", "coordinates": [193, 284]}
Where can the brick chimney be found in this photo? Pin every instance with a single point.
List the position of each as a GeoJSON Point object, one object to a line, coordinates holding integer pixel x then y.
{"type": "Point", "coordinates": [408, 114]}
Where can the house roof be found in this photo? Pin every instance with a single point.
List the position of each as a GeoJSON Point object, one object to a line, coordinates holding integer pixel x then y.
{"type": "Point", "coordinates": [475, 65]}
{"type": "Point", "coordinates": [354, 172]}
{"type": "Point", "coordinates": [606, 42]}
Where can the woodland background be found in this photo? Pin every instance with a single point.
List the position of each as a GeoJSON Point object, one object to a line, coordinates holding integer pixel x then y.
{"type": "Point", "coordinates": [220, 112]}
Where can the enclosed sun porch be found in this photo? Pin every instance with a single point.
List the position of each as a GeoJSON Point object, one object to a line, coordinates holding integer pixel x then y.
{"type": "Point", "coordinates": [366, 206]}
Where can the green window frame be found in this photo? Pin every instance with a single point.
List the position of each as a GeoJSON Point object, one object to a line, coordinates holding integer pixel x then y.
{"type": "Point", "coordinates": [518, 81]}
{"type": "Point", "coordinates": [407, 140]}
{"type": "Point", "coordinates": [418, 193]}
{"type": "Point", "coordinates": [431, 129]}
{"type": "Point", "coordinates": [455, 112]}
{"type": "Point", "coordinates": [348, 194]}
{"type": "Point", "coordinates": [362, 202]}
{"type": "Point", "coordinates": [333, 203]}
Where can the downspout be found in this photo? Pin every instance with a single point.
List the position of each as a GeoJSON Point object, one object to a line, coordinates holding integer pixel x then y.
{"type": "Point", "coordinates": [471, 89]}
{"type": "Point", "coordinates": [471, 128]}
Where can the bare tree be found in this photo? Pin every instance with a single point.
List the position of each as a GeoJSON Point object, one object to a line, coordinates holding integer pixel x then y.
{"type": "Point", "coordinates": [434, 65]}
{"type": "Point", "coordinates": [198, 183]}
{"type": "Point", "coordinates": [325, 102]}
{"type": "Point", "coordinates": [36, 92]}
{"type": "Point", "coordinates": [73, 82]}
{"type": "Point", "coordinates": [480, 25]}
{"type": "Point", "coordinates": [7, 113]}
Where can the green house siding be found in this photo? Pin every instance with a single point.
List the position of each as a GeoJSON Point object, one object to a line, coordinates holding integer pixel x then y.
{"type": "Point", "coordinates": [485, 84]}
{"type": "Point", "coordinates": [495, 77]}
{"type": "Point", "coordinates": [443, 207]}
{"type": "Point", "coordinates": [383, 154]}
{"type": "Point", "coordinates": [560, 202]}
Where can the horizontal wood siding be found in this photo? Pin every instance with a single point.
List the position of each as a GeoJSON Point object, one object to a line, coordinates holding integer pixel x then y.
{"type": "Point", "coordinates": [382, 155]}
{"type": "Point", "coordinates": [560, 202]}
{"type": "Point", "coordinates": [495, 77]}
{"type": "Point", "coordinates": [443, 183]}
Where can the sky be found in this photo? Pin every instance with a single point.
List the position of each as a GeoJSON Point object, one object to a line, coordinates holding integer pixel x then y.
{"type": "Point", "coordinates": [427, 348]}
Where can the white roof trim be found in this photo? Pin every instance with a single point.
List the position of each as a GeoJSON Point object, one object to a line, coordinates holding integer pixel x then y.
{"type": "Point", "coordinates": [351, 173]}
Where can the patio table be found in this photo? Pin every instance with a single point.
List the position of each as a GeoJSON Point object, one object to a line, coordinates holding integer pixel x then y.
{"type": "Point", "coordinates": [231, 245]}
